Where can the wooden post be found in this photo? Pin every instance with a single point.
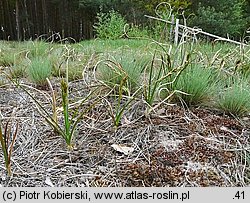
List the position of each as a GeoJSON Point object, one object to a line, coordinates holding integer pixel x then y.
{"type": "Point", "coordinates": [176, 31]}
{"type": "Point", "coordinates": [171, 29]}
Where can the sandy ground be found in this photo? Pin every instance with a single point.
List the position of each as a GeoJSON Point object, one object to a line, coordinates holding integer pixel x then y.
{"type": "Point", "coordinates": [172, 147]}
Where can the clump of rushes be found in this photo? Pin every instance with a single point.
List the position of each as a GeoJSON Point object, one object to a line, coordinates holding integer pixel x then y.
{"type": "Point", "coordinates": [65, 104]}
{"type": "Point", "coordinates": [38, 70]}
{"type": "Point", "coordinates": [152, 82]}
{"type": "Point", "coordinates": [112, 72]}
{"type": "Point", "coordinates": [119, 107]}
{"type": "Point", "coordinates": [234, 100]}
{"type": "Point", "coordinates": [67, 130]}
{"type": "Point", "coordinates": [116, 77]}
{"type": "Point", "coordinates": [7, 139]}
{"type": "Point", "coordinates": [69, 124]}
{"type": "Point", "coordinates": [198, 83]}
{"type": "Point", "coordinates": [159, 81]}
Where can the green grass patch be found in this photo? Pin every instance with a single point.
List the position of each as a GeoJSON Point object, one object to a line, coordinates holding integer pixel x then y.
{"type": "Point", "coordinates": [38, 70]}
{"type": "Point", "coordinates": [234, 100]}
{"type": "Point", "coordinates": [38, 48]}
{"type": "Point", "coordinates": [199, 84]}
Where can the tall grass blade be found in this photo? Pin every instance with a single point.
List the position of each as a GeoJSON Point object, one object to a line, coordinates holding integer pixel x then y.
{"type": "Point", "coordinates": [54, 106]}
{"type": "Point", "coordinates": [65, 104]}
{"type": "Point", "coordinates": [7, 140]}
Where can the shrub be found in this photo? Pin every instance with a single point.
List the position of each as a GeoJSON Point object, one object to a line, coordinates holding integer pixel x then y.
{"type": "Point", "coordinates": [109, 25]}
{"type": "Point", "coordinates": [38, 70]}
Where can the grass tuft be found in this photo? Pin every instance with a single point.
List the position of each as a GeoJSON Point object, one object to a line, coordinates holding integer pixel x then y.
{"type": "Point", "coordinates": [38, 48]}
{"type": "Point", "coordinates": [198, 83]}
{"type": "Point", "coordinates": [38, 70]}
{"type": "Point", "coordinates": [234, 100]}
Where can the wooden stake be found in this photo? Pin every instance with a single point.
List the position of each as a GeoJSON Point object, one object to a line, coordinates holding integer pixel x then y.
{"type": "Point", "coordinates": [176, 31]}
{"type": "Point", "coordinates": [171, 29]}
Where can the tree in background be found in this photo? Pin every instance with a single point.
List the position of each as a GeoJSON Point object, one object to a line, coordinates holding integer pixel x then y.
{"type": "Point", "coordinates": [224, 17]}
{"type": "Point", "coordinates": [29, 19]}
